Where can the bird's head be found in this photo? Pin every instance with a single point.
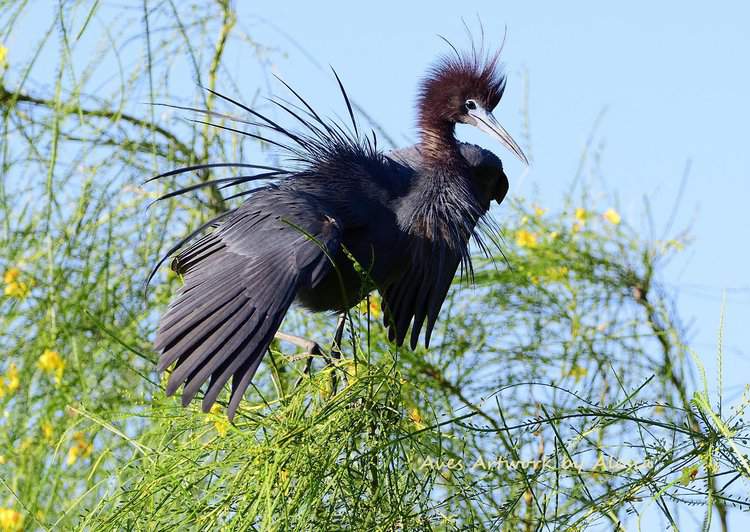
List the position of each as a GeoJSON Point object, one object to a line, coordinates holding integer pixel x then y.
{"type": "Point", "coordinates": [464, 89]}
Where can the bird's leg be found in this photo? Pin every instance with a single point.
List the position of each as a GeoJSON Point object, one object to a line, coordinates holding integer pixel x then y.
{"type": "Point", "coordinates": [311, 348]}
{"type": "Point", "coordinates": [336, 350]}
{"type": "Point", "coordinates": [336, 346]}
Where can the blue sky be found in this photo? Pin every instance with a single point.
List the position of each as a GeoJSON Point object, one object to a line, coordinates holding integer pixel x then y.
{"type": "Point", "coordinates": [667, 76]}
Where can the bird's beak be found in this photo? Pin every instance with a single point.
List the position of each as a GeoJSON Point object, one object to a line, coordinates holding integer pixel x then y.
{"type": "Point", "coordinates": [487, 122]}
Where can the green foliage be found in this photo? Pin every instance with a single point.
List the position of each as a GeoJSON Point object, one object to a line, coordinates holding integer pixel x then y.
{"type": "Point", "coordinates": [558, 391]}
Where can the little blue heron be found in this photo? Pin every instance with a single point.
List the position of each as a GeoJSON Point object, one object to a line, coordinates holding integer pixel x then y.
{"type": "Point", "coordinates": [406, 217]}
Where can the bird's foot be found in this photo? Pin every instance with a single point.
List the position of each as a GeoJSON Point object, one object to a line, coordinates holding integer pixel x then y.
{"type": "Point", "coordinates": [336, 354]}
{"type": "Point", "coordinates": [312, 349]}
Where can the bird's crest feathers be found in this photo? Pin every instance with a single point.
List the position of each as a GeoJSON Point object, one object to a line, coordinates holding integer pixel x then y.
{"type": "Point", "coordinates": [458, 76]}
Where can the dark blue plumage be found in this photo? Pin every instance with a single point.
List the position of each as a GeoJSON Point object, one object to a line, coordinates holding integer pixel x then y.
{"type": "Point", "coordinates": [406, 216]}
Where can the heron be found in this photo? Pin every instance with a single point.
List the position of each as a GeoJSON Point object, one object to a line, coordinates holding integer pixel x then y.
{"type": "Point", "coordinates": [341, 207]}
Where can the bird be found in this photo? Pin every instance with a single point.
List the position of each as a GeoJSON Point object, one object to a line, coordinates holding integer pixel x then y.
{"type": "Point", "coordinates": [341, 219]}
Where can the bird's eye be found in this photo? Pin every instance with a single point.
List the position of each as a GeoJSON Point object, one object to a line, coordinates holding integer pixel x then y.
{"type": "Point", "coordinates": [471, 105]}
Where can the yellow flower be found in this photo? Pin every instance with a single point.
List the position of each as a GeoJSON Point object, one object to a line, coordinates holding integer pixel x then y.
{"type": "Point", "coordinates": [524, 220]}
{"type": "Point", "coordinates": [220, 423]}
{"type": "Point", "coordinates": [48, 431]}
{"type": "Point", "coordinates": [52, 362]}
{"type": "Point", "coordinates": [577, 372]}
{"type": "Point", "coordinates": [80, 449]}
{"type": "Point", "coordinates": [73, 453]}
{"type": "Point", "coordinates": [525, 239]}
{"type": "Point", "coordinates": [11, 378]}
{"type": "Point", "coordinates": [577, 226]}
{"type": "Point", "coordinates": [10, 520]}
{"type": "Point", "coordinates": [553, 235]}
{"type": "Point", "coordinates": [11, 275]}
{"type": "Point", "coordinates": [688, 475]}
{"type": "Point", "coordinates": [18, 290]}
{"type": "Point", "coordinates": [581, 214]}
{"type": "Point", "coordinates": [612, 216]}
{"type": "Point", "coordinates": [3, 56]}
{"type": "Point", "coordinates": [538, 211]}
{"type": "Point", "coordinates": [10, 382]}
{"type": "Point", "coordinates": [2, 459]}
{"type": "Point", "coordinates": [221, 428]}
{"type": "Point", "coordinates": [14, 287]}
{"type": "Point", "coordinates": [416, 418]}
{"type": "Point", "coordinates": [374, 307]}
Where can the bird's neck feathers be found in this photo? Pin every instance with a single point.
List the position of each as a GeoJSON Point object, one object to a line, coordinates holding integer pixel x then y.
{"type": "Point", "coordinates": [443, 219]}
{"type": "Point", "coordinates": [438, 144]}
{"type": "Point", "coordinates": [449, 204]}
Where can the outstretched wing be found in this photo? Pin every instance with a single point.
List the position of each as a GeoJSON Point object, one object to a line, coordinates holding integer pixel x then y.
{"type": "Point", "coordinates": [239, 283]}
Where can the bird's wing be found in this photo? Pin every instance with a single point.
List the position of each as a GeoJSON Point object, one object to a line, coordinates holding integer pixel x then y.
{"type": "Point", "coordinates": [239, 283]}
{"type": "Point", "coordinates": [418, 294]}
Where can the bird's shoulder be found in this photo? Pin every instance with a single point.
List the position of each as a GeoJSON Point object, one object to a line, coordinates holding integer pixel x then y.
{"type": "Point", "coordinates": [487, 174]}
{"type": "Point", "coordinates": [475, 156]}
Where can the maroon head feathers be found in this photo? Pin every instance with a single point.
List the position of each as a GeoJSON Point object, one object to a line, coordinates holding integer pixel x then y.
{"type": "Point", "coordinates": [454, 80]}
{"type": "Point", "coordinates": [460, 88]}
